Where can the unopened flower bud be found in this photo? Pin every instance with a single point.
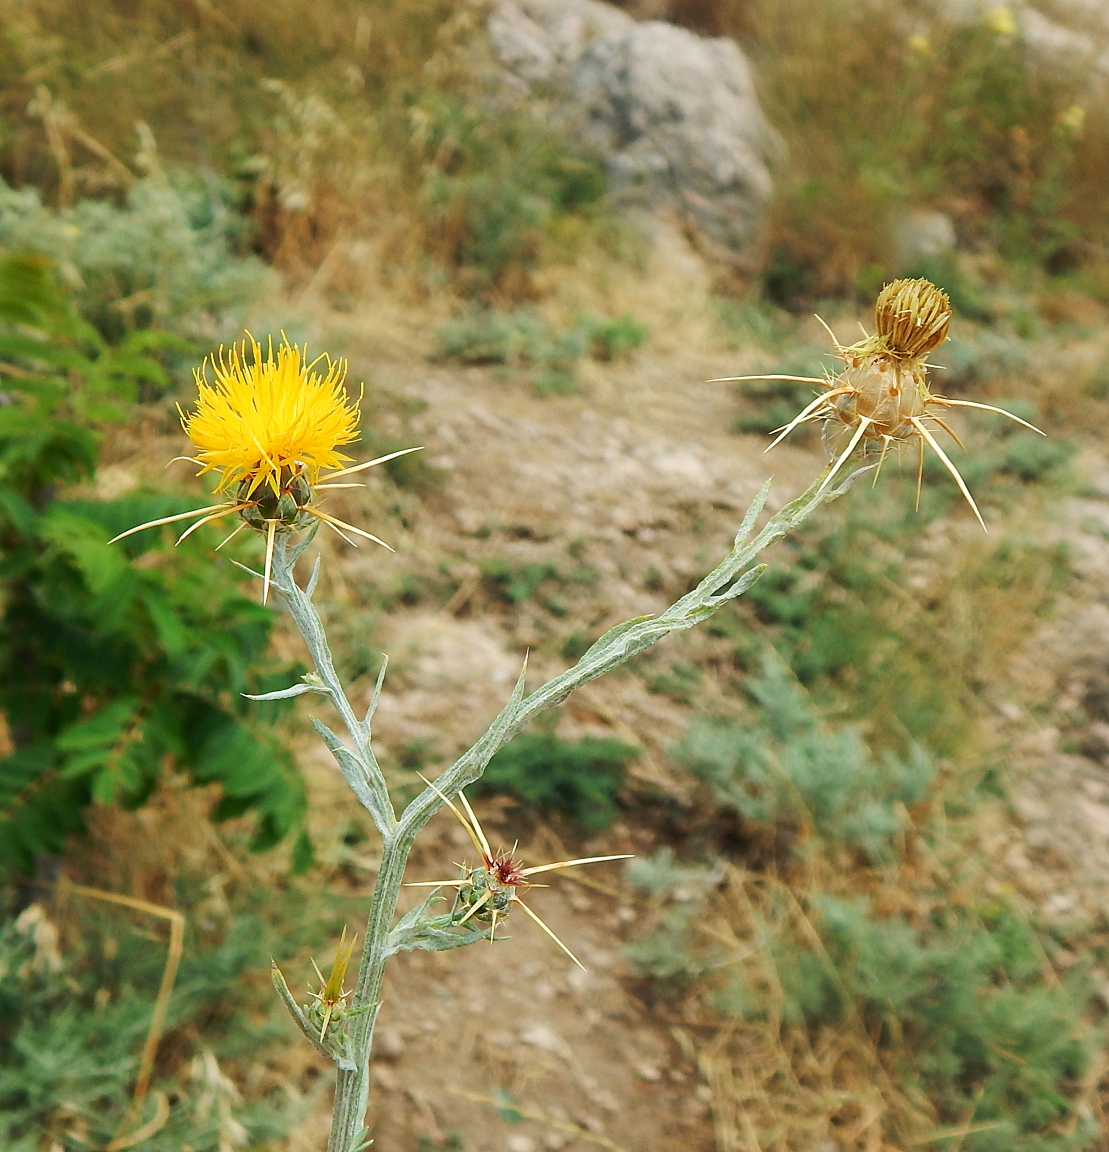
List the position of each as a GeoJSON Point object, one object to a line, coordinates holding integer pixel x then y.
{"type": "Point", "coordinates": [913, 316]}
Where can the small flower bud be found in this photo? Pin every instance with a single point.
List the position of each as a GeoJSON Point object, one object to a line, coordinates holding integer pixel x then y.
{"type": "Point", "coordinates": [913, 316]}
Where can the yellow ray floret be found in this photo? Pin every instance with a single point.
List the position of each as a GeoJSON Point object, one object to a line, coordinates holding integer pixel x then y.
{"type": "Point", "coordinates": [268, 411]}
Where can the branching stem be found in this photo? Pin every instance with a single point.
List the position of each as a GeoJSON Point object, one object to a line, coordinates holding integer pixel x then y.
{"type": "Point", "coordinates": [728, 580]}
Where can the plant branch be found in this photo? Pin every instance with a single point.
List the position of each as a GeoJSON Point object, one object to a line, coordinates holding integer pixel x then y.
{"type": "Point", "coordinates": [728, 580]}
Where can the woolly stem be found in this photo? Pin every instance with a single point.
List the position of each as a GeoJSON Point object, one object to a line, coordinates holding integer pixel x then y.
{"type": "Point", "coordinates": [728, 580]}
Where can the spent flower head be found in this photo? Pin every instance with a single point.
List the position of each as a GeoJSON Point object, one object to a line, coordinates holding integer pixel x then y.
{"type": "Point", "coordinates": [268, 425]}
{"type": "Point", "coordinates": [912, 317]}
{"type": "Point", "coordinates": [881, 398]}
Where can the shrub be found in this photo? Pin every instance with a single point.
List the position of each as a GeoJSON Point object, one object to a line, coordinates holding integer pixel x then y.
{"type": "Point", "coordinates": [788, 767]}
{"type": "Point", "coordinates": [502, 189]}
{"type": "Point", "coordinates": [109, 671]}
{"type": "Point", "coordinates": [515, 583]}
{"type": "Point", "coordinates": [165, 258]}
{"type": "Point", "coordinates": [521, 339]}
{"type": "Point", "coordinates": [578, 780]}
{"type": "Point", "coordinates": [614, 339]}
{"type": "Point", "coordinates": [960, 1006]}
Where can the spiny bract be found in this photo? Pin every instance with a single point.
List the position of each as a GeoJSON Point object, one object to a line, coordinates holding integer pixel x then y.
{"type": "Point", "coordinates": [493, 889]}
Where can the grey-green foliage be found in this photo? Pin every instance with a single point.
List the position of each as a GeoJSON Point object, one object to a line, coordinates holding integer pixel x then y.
{"type": "Point", "coordinates": [165, 257]}
{"type": "Point", "coordinates": [521, 339]}
{"type": "Point", "coordinates": [658, 875]}
{"type": "Point", "coordinates": [789, 766]}
{"type": "Point", "coordinates": [669, 952]}
{"type": "Point", "coordinates": [72, 1029]}
{"type": "Point", "coordinates": [958, 1003]}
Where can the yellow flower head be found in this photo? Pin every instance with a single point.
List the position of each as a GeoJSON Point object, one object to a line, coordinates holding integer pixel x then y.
{"type": "Point", "coordinates": [267, 416]}
{"type": "Point", "coordinates": [268, 425]}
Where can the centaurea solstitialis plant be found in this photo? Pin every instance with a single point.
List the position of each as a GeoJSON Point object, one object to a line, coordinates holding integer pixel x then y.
{"type": "Point", "coordinates": [270, 426]}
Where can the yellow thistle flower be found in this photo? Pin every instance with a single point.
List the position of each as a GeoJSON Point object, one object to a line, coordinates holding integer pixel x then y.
{"type": "Point", "coordinates": [270, 416]}
{"type": "Point", "coordinates": [269, 425]}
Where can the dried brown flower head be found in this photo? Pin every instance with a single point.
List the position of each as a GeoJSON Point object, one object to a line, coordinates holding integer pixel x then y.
{"type": "Point", "coordinates": [881, 398]}
{"type": "Point", "coordinates": [912, 316]}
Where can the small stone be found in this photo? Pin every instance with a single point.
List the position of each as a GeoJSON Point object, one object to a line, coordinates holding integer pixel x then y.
{"type": "Point", "coordinates": [579, 982]}
{"type": "Point", "coordinates": [649, 1073]}
{"type": "Point", "coordinates": [384, 1076]}
{"type": "Point", "coordinates": [519, 1143]}
{"type": "Point", "coordinates": [388, 1044]}
{"type": "Point", "coordinates": [543, 1037]}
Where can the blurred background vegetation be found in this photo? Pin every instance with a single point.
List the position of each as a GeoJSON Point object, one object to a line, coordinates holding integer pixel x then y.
{"type": "Point", "coordinates": [171, 170]}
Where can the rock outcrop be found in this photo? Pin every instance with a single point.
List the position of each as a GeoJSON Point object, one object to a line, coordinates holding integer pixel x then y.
{"type": "Point", "coordinates": [675, 114]}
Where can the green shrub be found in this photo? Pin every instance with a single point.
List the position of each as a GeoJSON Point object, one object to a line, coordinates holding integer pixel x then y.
{"type": "Point", "coordinates": [515, 583]}
{"type": "Point", "coordinates": [961, 1006]}
{"type": "Point", "coordinates": [72, 1029]}
{"type": "Point", "coordinates": [165, 258]}
{"type": "Point", "coordinates": [1030, 457]}
{"type": "Point", "coordinates": [502, 189]}
{"type": "Point", "coordinates": [546, 775]}
{"type": "Point", "coordinates": [613, 339]}
{"type": "Point", "coordinates": [520, 339]}
{"type": "Point", "coordinates": [788, 767]}
{"type": "Point", "coordinates": [109, 671]}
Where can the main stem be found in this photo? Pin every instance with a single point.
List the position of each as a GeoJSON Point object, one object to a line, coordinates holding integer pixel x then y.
{"type": "Point", "coordinates": [730, 579]}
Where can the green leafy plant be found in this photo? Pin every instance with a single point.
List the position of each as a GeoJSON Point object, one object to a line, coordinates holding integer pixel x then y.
{"type": "Point", "coordinates": [789, 767]}
{"type": "Point", "coordinates": [166, 257]}
{"type": "Point", "coordinates": [577, 779]}
{"type": "Point", "coordinates": [523, 340]}
{"type": "Point", "coordinates": [109, 671]}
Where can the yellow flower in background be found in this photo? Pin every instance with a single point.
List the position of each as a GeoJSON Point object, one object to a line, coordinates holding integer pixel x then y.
{"type": "Point", "coordinates": [268, 425]}
{"type": "Point", "coordinates": [1002, 21]}
{"type": "Point", "coordinates": [269, 417]}
{"type": "Point", "coordinates": [1072, 120]}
